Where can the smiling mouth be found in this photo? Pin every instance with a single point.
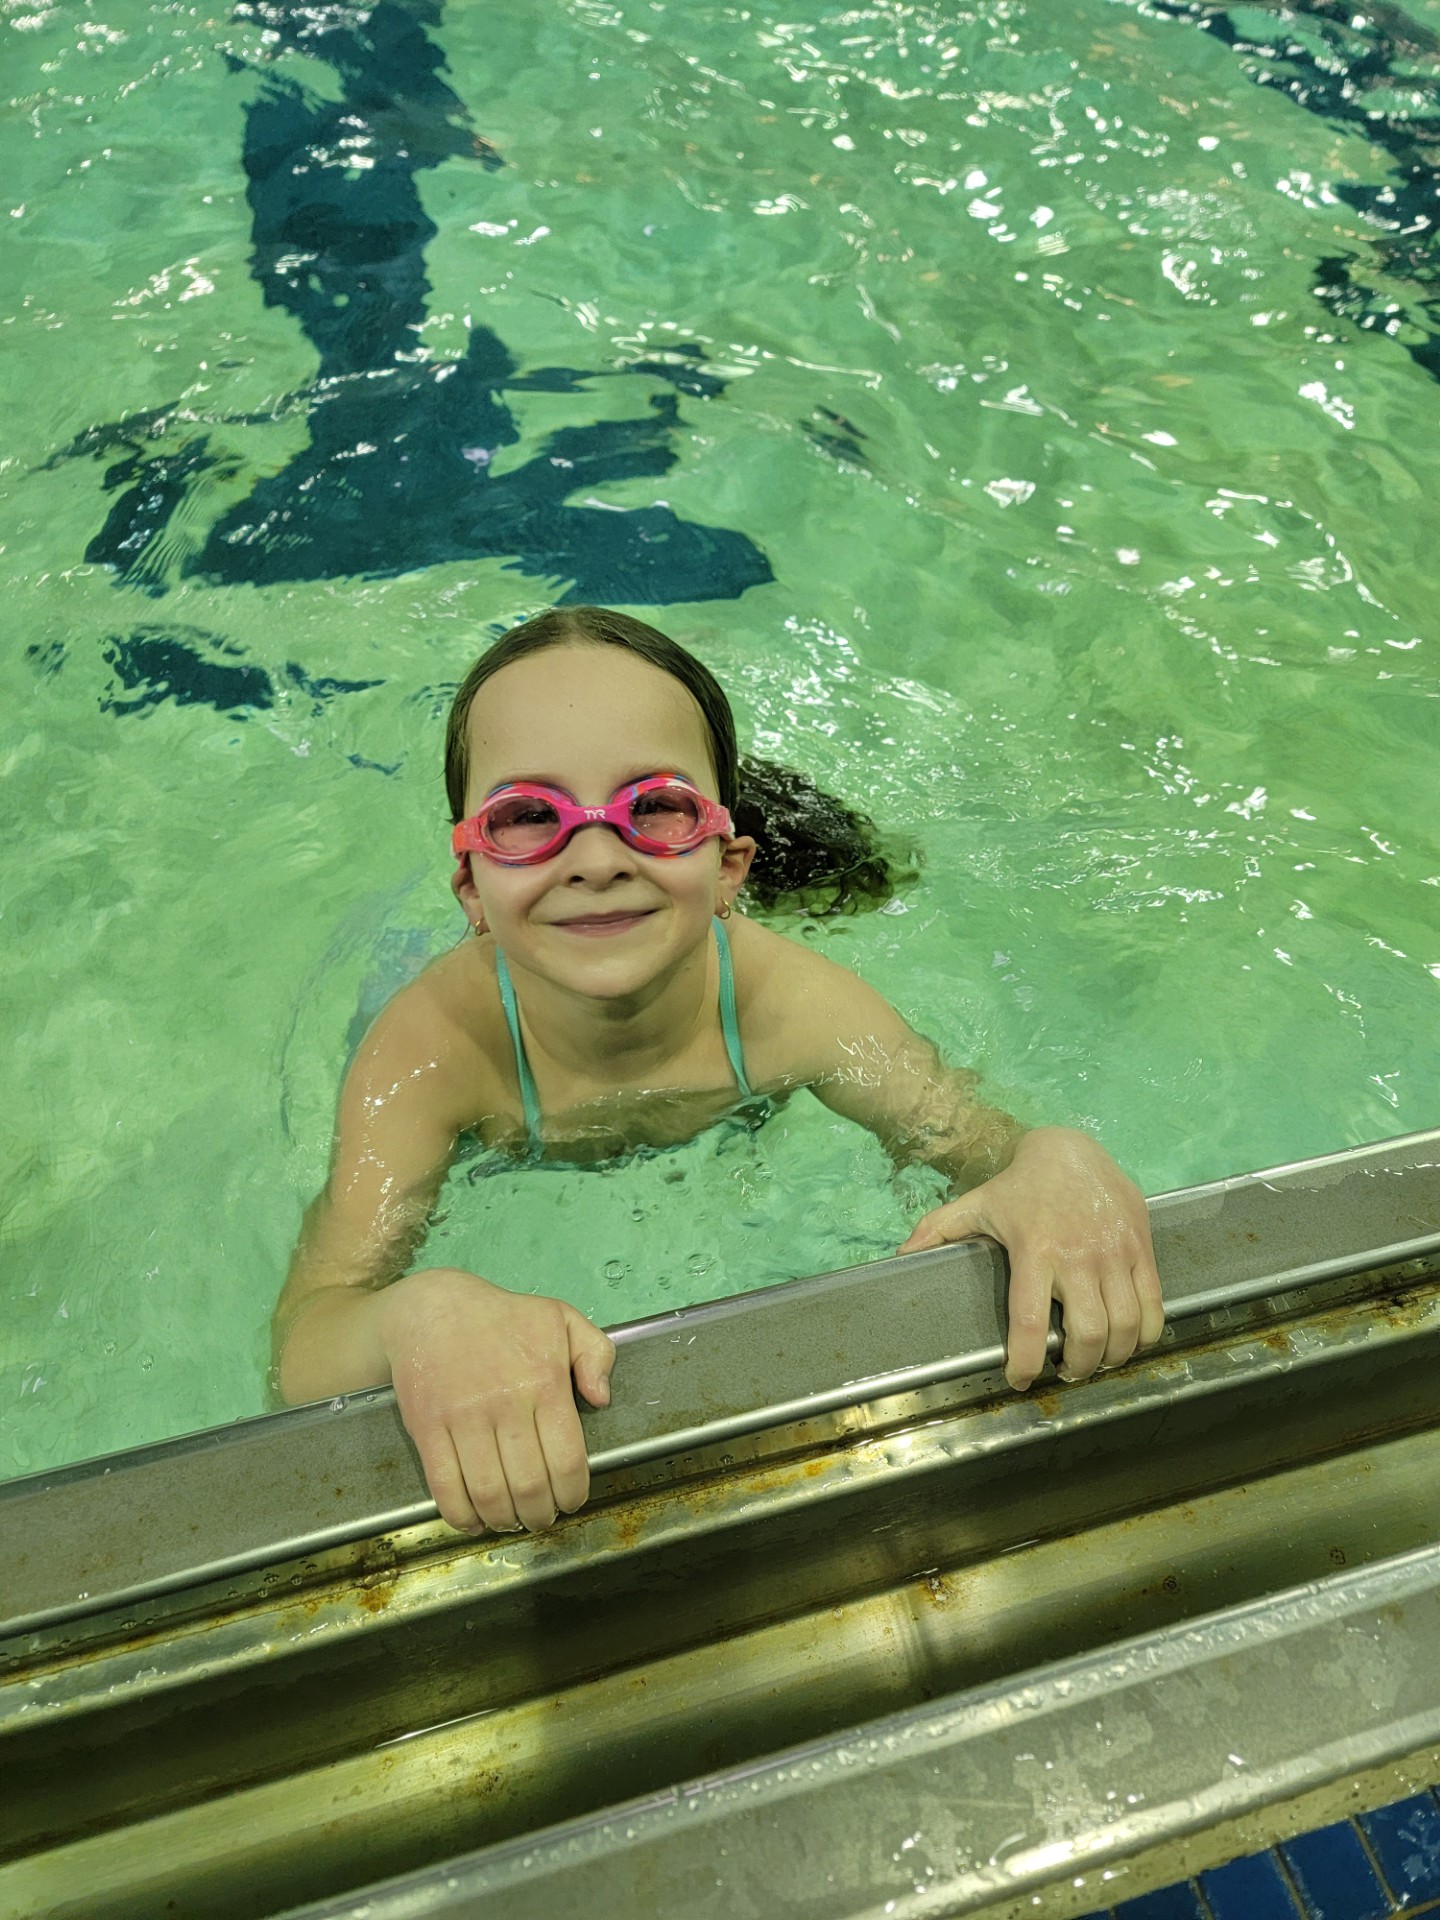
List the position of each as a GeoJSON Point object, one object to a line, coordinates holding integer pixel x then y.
{"type": "Point", "coordinates": [604, 922]}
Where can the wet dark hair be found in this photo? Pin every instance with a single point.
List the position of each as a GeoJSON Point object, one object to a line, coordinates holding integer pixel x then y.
{"type": "Point", "coordinates": [813, 853]}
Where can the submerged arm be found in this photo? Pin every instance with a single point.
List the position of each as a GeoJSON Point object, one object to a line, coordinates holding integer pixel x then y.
{"type": "Point", "coordinates": [1075, 1228]}
{"type": "Point", "coordinates": [483, 1377]}
{"type": "Point", "coordinates": [922, 1112]}
{"type": "Point", "coordinates": [394, 1141]}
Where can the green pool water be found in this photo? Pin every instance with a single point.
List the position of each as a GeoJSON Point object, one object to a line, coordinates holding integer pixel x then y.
{"type": "Point", "coordinates": [1102, 573]}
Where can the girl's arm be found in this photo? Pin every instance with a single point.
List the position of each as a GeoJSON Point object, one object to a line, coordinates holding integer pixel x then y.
{"type": "Point", "coordinates": [395, 1135]}
{"type": "Point", "coordinates": [1076, 1229]}
{"type": "Point", "coordinates": [482, 1376]}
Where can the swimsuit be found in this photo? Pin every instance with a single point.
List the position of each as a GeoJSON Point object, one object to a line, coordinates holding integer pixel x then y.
{"type": "Point", "coordinates": [530, 1100]}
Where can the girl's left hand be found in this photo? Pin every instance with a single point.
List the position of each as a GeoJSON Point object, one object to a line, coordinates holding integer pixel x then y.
{"type": "Point", "coordinates": [1076, 1231]}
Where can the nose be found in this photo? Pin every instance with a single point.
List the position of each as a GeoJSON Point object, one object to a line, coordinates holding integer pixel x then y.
{"type": "Point", "coordinates": [595, 854]}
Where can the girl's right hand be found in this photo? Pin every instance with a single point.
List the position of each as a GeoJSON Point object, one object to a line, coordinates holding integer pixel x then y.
{"type": "Point", "coordinates": [483, 1381]}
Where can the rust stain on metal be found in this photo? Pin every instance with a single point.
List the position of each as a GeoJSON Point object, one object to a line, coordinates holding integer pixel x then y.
{"type": "Point", "coordinates": [374, 1595]}
{"type": "Point", "coordinates": [719, 1492]}
{"type": "Point", "coordinates": [1405, 1310]}
{"type": "Point", "coordinates": [629, 1523]}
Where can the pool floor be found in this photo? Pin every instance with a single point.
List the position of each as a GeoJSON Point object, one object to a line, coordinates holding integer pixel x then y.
{"type": "Point", "coordinates": [1381, 1863]}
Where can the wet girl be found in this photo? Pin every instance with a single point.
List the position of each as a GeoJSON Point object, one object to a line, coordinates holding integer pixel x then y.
{"type": "Point", "coordinates": [612, 997]}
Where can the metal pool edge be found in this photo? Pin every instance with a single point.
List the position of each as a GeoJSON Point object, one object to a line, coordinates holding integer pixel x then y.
{"type": "Point", "coordinates": [131, 1526]}
{"type": "Point", "coordinates": [986, 1801]}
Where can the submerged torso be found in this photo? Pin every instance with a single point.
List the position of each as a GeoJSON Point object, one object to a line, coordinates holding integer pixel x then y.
{"type": "Point", "coordinates": [583, 1120]}
{"type": "Point", "coordinates": [743, 1096]}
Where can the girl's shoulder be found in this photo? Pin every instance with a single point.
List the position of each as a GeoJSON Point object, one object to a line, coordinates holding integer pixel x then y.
{"type": "Point", "coordinates": [802, 1014]}
{"type": "Point", "coordinates": [447, 994]}
{"type": "Point", "coordinates": [447, 1025]}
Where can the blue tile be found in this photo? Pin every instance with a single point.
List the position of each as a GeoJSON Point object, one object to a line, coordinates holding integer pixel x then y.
{"type": "Point", "coordinates": [1180, 1902]}
{"type": "Point", "coordinates": [1406, 1839]}
{"type": "Point", "coordinates": [1334, 1875]}
{"type": "Point", "coordinates": [1249, 1889]}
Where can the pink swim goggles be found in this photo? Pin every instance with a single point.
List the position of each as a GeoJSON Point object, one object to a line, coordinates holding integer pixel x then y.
{"type": "Point", "coordinates": [521, 824]}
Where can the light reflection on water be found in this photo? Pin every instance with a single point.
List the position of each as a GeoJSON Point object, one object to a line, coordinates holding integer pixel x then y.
{"type": "Point", "coordinates": [1094, 534]}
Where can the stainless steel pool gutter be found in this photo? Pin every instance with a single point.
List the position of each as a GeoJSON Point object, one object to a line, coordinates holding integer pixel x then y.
{"type": "Point", "coordinates": [121, 1531]}
{"type": "Point", "coordinates": [1001, 1798]}
{"type": "Point", "coordinates": [847, 1628]}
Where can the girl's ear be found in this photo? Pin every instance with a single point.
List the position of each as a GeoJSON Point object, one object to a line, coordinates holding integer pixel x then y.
{"type": "Point", "coordinates": [462, 885]}
{"type": "Point", "coordinates": [735, 858]}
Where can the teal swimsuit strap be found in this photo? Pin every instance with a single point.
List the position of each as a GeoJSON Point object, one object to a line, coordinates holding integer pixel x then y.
{"type": "Point", "coordinates": [729, 1022]}
{"type": "Point", "coordinates": [529, 1099]}
{"type": "Point", "coordinates": [729, 1027]}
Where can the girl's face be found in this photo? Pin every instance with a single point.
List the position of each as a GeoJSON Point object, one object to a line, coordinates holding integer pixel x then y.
{"type": "Point", "coordinates": [599, 917]}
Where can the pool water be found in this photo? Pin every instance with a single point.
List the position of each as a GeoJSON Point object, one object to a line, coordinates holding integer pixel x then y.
{"type": "Point", "coordinates": [1028, 411]}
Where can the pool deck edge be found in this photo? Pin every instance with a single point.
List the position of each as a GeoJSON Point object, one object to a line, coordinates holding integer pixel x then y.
{"type": "Point", "coordinates": [123, 1529]}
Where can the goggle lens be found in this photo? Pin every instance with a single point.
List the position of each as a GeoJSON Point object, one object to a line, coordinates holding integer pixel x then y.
{"type": "Point", "coordinates": [519, 823]}
{"type": "Point", "coordinates": [671, 814]}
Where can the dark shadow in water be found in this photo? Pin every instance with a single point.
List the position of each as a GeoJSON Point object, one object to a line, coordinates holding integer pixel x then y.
{"type": "Point", "coordinates": [183, 664]}
{"type": "Point", "coordinates": [835, 435]}
{"type": "Point", "coordinates": [195, 668]}
{"type": "Point", "coordinates": [1365, 52]}
{"type": "Point", "coordinates": [398, 473]}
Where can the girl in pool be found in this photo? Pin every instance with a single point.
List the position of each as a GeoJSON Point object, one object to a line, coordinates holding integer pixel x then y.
{"type": "Point", "coordinates": [612, 998]}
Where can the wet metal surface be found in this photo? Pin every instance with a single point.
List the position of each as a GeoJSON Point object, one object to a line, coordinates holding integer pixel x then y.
{"type": "Point", "coordinates": [825, 1356]}
{"type": "Point", "coordinates": [367, 1713]}
{"type": "Point", "coordinates": [973, 1804]}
